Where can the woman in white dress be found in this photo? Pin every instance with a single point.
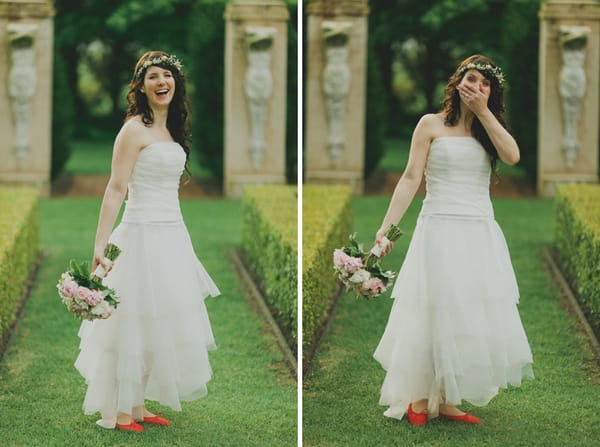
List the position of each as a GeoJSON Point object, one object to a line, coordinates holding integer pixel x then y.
{"type": "Point", "coordinates": [454, 332]}
{"type": "Point", "coordinates": [155, 344]}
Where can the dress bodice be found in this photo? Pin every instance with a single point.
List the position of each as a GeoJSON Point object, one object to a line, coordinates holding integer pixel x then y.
{"type": "Point", "coordinates": [154, 184]}
{"type": "Point", "coordinates": [458, 178]}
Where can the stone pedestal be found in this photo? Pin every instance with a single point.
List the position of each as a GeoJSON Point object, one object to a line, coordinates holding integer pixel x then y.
{"type": "Point", "coordinates": [335, 89]}
{"type": "Point", "coordinates": [255, 89]}
{"type": "Point", "coordinates": [569, 83]}
{"type": "Point", "coordinates": [26, 35]}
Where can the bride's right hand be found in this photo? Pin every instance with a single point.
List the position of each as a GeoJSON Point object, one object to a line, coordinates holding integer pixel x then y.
{"type": "Point", "coordinates": [379, 241]}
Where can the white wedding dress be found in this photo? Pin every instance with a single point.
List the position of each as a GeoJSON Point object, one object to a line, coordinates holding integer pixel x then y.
{"type": "Point", "coordinates": [155, 344]}
{"type": "Point", "coordinates": [454, 331]}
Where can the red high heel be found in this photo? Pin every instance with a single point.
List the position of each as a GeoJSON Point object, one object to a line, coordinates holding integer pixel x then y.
{"type": "Point", "coordinates": [466, 418]}
{"type": "Point", "coordinates": [133, 426]}
{"type": "Point", "coordinates": [156, 420]}
{"type": "Point", "coordinates": [416, 418]}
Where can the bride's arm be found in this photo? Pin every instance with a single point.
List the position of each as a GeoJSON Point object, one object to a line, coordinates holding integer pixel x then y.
{"type": "Point", "coordinates": [411, 178]}
{"type": "Point", "coordinates": [125, 153]}
{"type": "Point", "coordinates": [503, 141]}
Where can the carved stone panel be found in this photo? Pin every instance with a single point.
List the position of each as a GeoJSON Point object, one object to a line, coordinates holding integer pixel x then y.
{"type": "Point", "coordinates": [21, 85]}
{"type": "Point", "coordinates": [336, 84]}
{"type": "Point", "coordinates": [258, 86]}
{"type": "Point", "coordinates": [571, 85]}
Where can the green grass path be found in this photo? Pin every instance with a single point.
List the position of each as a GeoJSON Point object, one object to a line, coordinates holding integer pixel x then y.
{"type": "Point", "coordinates": [251, 400]}
{"type": "Point", "coordinates": [561, 407]}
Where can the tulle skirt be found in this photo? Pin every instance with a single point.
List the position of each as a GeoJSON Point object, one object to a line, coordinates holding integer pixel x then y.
{"type": "Point", "coordinates": [454, 331]}
{"type": "Point", "coordinates": [155, 344]}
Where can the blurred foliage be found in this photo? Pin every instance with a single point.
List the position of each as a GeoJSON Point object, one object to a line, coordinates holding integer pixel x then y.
{"type": "Point", "coordinates": [376, 114]}
{"type": "Point", "coordinates": [206, 45]}
{"type": "Point", "coordinates": [63, 117]}
{"type": "Point", "coordinates": [100, 41]}
{"type": "Point", "coordinates": [419, 43]}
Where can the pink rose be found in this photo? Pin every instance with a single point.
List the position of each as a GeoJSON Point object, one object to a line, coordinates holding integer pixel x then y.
{"type": "Point", "coordinates": [339, 257]}
{"type": "Point", "coordinates": [70, 288]}
{"type": "Point", "coordinates": [348, 263]}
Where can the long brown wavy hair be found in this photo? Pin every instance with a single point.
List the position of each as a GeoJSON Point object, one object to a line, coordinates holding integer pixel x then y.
{"type": "Point", "coordinates": [451, 104]}
{"type": "Point", "coordinates": [177, 118]}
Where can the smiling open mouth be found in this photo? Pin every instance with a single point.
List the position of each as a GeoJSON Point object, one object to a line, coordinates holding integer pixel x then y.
{"type": "Point", "coordinates": [161, 92]}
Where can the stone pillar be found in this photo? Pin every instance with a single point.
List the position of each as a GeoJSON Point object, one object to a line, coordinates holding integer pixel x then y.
{"type": "Point", "coordinates": [26, 35]}
{"type": "Point", "coordinates": [255, 93]}
{"type": "Point", "coordinates": [569, 83]}
{"type": "Point", "coordinates": [335, 88]}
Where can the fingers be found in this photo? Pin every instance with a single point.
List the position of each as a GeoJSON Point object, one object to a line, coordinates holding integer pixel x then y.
{"type": "Point", "coordinates": [388, 248]}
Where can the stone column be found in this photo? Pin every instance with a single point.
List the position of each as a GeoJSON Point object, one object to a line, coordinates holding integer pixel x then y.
{"type": "Point", "coordinates": [569, 83]}
{"type": "Point", "coordinates": [26, 35]}
{"type": "Point", "coordinates": [335, 88]}
{"type": "Point", "coordinates": [255, 89]}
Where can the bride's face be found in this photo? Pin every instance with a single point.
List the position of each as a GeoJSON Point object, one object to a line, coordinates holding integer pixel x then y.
{"type": "Point", "coordinates": [477, 81]}
{"type": "Point", "coordinates": [159, 86]}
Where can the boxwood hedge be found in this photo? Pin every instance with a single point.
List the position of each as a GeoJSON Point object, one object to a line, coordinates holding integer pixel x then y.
{"type": "Point", "coordinates": [19, 228]}
{"type": "Point", "coordinates": [326, 224]}
{"type": "Point", "coordinates": [578, 243]}
{"type": "Point", "coordinates": [270, 244]}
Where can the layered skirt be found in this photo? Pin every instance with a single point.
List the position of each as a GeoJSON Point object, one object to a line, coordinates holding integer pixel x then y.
{"type": "Point", "coordinates": [454, 331]}
{"type": "Point", "coordinates": [155, 345]}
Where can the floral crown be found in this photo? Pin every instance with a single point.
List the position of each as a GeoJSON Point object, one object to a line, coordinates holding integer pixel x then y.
{"type": "Point", "coordinates": [484, 68]}
{"type": "Point", "coordinates": [170, 61]}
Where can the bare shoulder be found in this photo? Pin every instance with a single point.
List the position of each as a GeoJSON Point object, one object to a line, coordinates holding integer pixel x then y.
{"type": "Point", "coordinates": [132, 134]}
{"type": "Point", "coordinates": [431, 124]}
{"type": "Point", "coordinates": [428, 127]}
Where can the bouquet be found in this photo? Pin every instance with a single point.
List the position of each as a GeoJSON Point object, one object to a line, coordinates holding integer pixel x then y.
{"type": "Point", "coordinates": [83, 292]}
{"type": "Point", "coordinates": [362, 272]}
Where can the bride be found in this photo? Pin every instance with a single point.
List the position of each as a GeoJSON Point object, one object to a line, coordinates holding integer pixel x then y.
{"type": "Point", "coordinates": [155, 344]}
{"type": "Point", "coordinates": [454, 332]}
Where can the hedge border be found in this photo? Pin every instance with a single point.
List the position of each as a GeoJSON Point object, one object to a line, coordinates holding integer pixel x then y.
{"type": "Point", "coordinates": [270, 239]}
{"type": "Point", "coordinates": [19, 249]}
{"type": "Point", "coordinates": [326, 224]}
{"type": "Point", "coordinates": [578, 244]}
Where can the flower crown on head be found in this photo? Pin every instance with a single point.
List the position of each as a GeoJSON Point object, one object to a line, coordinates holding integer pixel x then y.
{"type": "Point", "coordinates": [170, 61]}
{"type": "Point", "coordinates": [484, 68]}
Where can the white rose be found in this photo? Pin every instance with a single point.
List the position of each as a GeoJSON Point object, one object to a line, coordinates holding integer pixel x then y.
{"type": "Point", "coordinates": [101, 308]}
{"type": "Point", "coordinates": [359, 276]}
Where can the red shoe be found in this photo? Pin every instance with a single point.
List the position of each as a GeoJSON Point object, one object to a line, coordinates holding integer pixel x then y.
{"type": "Point", "coordinates": [416, 418]}
{"type": "Point", "coordinates": [134, 426]}
{"type": "Point", "coordinates": [466, 418]}
{"type": "Point", "coordinates": [156, 420]}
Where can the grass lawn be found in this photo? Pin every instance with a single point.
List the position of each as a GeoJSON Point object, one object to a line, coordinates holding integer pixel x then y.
{"type": "Point", "coordinates": [559, 408]}
{"type": "Point", "coordinates": [251, 400]}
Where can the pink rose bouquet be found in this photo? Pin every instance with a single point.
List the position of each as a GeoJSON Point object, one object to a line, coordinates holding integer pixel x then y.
{"type": "Point", "coordinates": [83, 292]}
{"type": "Point", "coordinates": [361, 271]}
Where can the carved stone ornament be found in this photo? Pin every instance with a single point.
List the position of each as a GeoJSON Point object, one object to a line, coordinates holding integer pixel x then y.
{"type": "Point", "coordinates": [571, 85]}
{"type": "Point", "coordinates": [336, 83]}
{"type": "Point", "coordinates": [258, 86]}
{"type": "Point", "coordinates": [21, 85]}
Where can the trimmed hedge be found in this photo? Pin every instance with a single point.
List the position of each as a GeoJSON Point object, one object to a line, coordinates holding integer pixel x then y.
{"type": "Point", "coordinates": [578, 243]}
{"type": "Point", "coordinates": [270, 244]}
{"type": "Point", "coordinates": [326, 224]}
{"type": "Point", "coordinates": [19, 230]}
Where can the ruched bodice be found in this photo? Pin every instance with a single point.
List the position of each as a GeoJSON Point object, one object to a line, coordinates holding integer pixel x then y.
{"type": "Point", "coordinates": [458, 178]}
{"type": "Point", "coordinates": [154, 185]}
